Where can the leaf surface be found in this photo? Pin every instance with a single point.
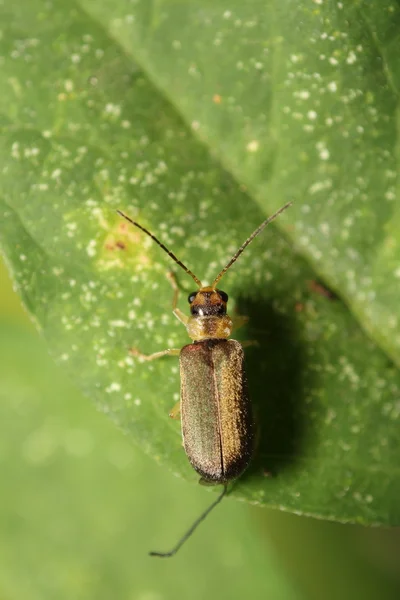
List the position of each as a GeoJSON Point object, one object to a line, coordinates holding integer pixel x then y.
{"type": "Point", "coordinates": [86, 131]}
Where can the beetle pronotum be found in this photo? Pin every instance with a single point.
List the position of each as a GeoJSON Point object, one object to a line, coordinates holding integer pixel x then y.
{"type": "Point", "coordinates": [217, 424]}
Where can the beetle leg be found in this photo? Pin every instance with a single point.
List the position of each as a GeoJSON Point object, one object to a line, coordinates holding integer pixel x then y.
{"type": "Point", "coordinates": [181, 316]}
{"type": "Point", "coordinates": [175, 412]}
{"type": "Point", "coordinates": [249, 343]}
{"type": "Point", "coordinates": [177, 312]}
{"type": "Point", "coordinates": [239, 321]}
{"type": "Point", "coordinates": [138, 354]}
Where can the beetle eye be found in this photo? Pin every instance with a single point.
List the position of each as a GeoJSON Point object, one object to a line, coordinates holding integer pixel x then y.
{"type": "Point", "coordinates": [191, 297]}
{"type": "Point", "coordinates": [224, 295]}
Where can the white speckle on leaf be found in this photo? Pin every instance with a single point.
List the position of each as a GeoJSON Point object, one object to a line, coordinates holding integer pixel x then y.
{"type": "Point", "coordinates": [113, 387]}
{"type": "Point", "coordinates": [28, 152]}
{"type": "Point", "coordinates": [253, 146]}
{"type": "Point", "coordinates": [351, 58]}
{"type": "Point", "coordinates": [42, 187]}
{"type": "Point", "coordinates": [71, 227]}
{"type": "Point", "coordinates": [68, 85]}
{"type": "Point", "coordinates": [15, 150]}
{"type": "Point", "coordinates": [322, 151]}
{"type": "Point", "coordinates": [118, 323]}
{"type": "Point", "coordinates": [91, 248]}
{"type": "Point", "coordinates": [330, 416]}
{"type": "Point", "coordinates": [319, 186]}
{"type": "Point", "coordinates": [302, 94]}
{"type": "Point", "coordinates": [324, 227]}
{"type": "Point", "coordinates": [344, 445]}
{"type": "Point", "coordinates": [324, 154]}
{"type": "Point", "coordinates": [112, 109]}
{"type": "Point", "coordinates": [390, 194]}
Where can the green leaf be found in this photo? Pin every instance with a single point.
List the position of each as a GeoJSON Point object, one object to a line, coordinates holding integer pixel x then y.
{"type": "Point", "coordinates": [298, 102]}
{"type": "Point", "coordinates": [87, 132]}
{"type": "Point", "coordinates": [79, 502]}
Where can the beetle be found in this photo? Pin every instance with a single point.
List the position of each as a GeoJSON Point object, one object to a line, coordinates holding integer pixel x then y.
{"type": "Point", "coordinates": [216, 417]}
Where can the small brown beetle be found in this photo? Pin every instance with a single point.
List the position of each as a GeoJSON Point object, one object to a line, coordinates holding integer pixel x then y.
{"type": "Point", "coordinates": [216, 417]}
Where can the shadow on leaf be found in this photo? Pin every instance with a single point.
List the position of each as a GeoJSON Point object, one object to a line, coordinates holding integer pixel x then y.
{"type": "Point", "coordinates": [275, 371]}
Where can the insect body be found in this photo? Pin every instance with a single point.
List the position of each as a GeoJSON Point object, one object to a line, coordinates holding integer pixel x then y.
{"type": "Point", "coordinates": [217, 425]}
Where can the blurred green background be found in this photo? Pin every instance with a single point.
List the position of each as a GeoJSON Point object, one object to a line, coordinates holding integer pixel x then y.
{"type": "Point", "coordinates": [80, 508]}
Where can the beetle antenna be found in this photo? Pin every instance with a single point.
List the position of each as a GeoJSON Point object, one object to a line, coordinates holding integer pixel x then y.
{"type": "Point", "coordinates": [247, 242]}
{"type": "Point", "coordinates": [192, 528]}
{"type": "Point", "coordinates": [171, 254]}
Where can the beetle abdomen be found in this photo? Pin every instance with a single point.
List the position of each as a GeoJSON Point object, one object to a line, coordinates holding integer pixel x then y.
{"type": "Point", "coordinates": [217, 426]}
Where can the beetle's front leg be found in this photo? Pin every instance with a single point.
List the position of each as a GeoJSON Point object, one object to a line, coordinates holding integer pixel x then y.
{"type": "Point", "coordinates": [168, 352]}
{"type": "Point", "coordinates": [177, 311]}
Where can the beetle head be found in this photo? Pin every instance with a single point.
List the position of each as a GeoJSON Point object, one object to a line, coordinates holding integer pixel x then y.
{"type": "Point", "coordinates": [207, 302]}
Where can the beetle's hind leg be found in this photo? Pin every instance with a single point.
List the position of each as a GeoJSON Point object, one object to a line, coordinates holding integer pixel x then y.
{"type": "Point", "coordinates": [175, 412]}
{"type": "Point", "coordinates": [140, 355]}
